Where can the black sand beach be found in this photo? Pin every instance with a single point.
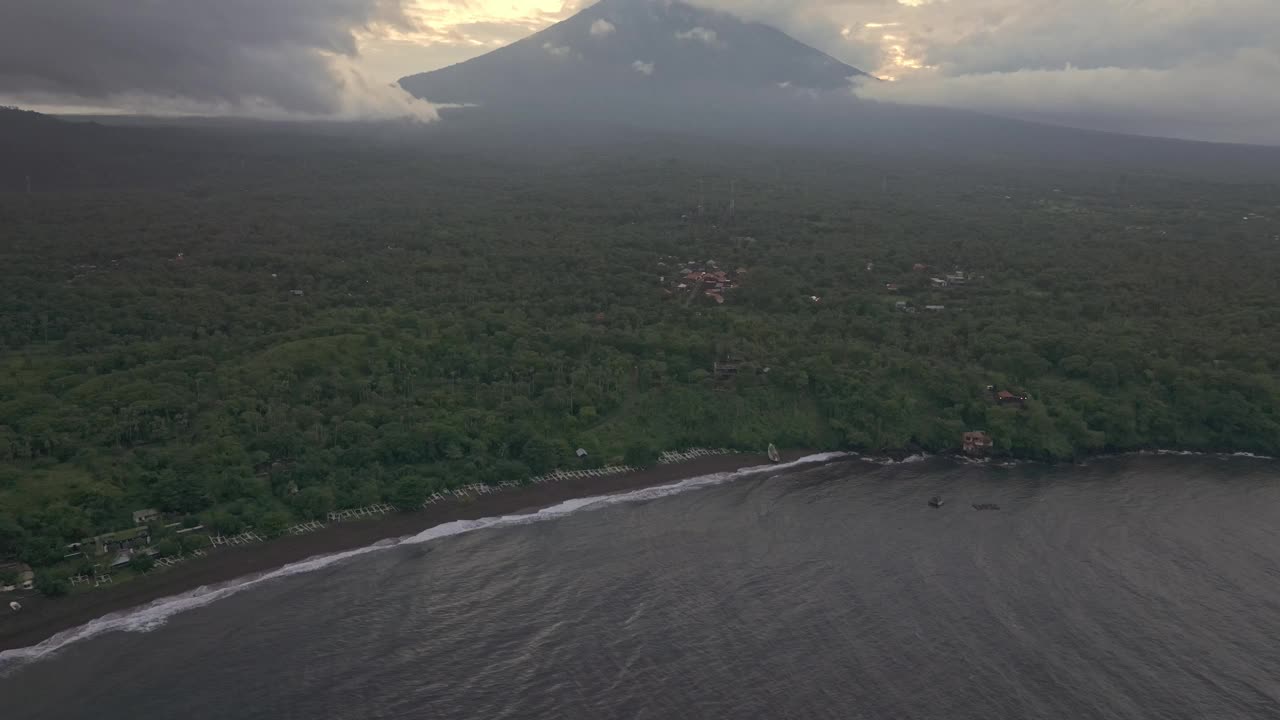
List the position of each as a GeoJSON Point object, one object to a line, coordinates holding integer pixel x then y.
{"type": "Point", "coordinates": [42, 618]}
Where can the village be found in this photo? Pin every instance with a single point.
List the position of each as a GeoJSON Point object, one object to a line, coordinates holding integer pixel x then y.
{"type": "Point", "coordinates": [159, 540]}
{"type": "Point", "coordinates": [705, 281]}
{"type": "Point", "coordinates": [698, 280]}
{"type": "Point", "coordinates": [923, 278]}
{"type": "Point", "coordinates": [979, 443]}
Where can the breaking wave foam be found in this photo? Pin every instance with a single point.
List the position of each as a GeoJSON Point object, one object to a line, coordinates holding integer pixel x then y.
{"type": "Point", "coordinates": [154, 615]}
{"type": "Point", "coordinates": [1193, 453]}
{"type": "Point", "coordinates": [886, 461]}
{"type": "Point", "coordinates": [1251, 456]}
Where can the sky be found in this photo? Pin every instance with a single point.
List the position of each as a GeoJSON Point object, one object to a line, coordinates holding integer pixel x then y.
{"type": "Point", "coordinates": [1201, 69]}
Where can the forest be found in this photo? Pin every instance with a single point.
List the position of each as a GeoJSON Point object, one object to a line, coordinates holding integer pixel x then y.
{"type": "Point", "coordinates": [249, 329]}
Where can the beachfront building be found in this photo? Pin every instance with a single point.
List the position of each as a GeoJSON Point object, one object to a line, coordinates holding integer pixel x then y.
{"type": "Point", "coordinates": [117, 542]}
{"type": "Point", "coordinates": [16, 576]}
{"type": "Point", "coordinates": [977, 443]}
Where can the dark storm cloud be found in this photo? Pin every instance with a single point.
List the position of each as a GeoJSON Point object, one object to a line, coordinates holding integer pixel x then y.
{"type": "Point", "coordinates": [293, 55]}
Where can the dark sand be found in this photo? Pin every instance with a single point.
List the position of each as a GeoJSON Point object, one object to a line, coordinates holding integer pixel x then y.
{"type": "Point", "coordinates": [42, 618]}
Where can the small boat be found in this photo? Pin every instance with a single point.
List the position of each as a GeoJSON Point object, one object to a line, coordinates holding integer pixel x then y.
{"type": "Point", "coordinates": [936, 502]}
{"type": "Point", "coordinates": [14, 606]}
{"type": "Point", "coordinates": [773, 454]}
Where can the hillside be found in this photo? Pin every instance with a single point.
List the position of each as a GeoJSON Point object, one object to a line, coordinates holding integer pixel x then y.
{"type": "Point", "coordinates": [476, 315]}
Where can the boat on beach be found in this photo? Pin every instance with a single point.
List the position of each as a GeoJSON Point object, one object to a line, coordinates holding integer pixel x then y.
{"type": "Point", "coordinates": [773, 454]}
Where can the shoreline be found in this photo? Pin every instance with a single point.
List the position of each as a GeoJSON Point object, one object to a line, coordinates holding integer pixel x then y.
{"type": "Point", "coordinates": [42, 618]}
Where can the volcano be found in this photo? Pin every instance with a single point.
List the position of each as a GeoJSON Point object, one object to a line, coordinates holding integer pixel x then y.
{"type": "Point", "coordinates": [639, 52]}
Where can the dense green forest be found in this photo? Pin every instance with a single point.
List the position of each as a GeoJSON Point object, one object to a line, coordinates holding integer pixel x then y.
{"type": "Point", "coordinates": [251, 331]}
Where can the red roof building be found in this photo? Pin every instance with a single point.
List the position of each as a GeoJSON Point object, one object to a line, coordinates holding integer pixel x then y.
{"type": "Point", "coordinates": [1004, 397]}
{"type": "Point", "coordinates": [977, 443]}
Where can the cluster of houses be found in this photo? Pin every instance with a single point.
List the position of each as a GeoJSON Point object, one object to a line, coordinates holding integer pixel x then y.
{"type": "Point", "coordinates": [906, 307]}
{"type": "Point", "coordinates": [955, 279]}
{"type": "Point", "coordinates": [978, 443]}
{"type": "Point", "coordinates": [83, 270]}
{"type": "Point", "coordinates": [114, 549]}
{"type": "Point", "coordinates": [944, 281]}
{"type": "Point", "coordinates": [107, 551]}
{"type": "Point", "coordinates": [706, 280]}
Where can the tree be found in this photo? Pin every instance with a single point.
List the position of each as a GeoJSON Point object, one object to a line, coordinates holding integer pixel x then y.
{"type": "Point", "coordinates": [226, 523]}
{"type": "Point", "coordinates": [314, 502]}
{"type": "Point", "coordinates": [141, 563]}
{"type": "Point", "coordinates": [408, 495]}
{"type": "Point", "coordinates": [540, 454]}
{"type": "Point", "coordinates": [51, 585]}
{"type": "Point", "coordinates": [191, 542]}
{"type": "Point", "coordinates": [179, 492]}
{"type": "Point", "coordinates": [39, 551]}
{"type": "Point", "coordinates": [273, 522]}
{"type": "Point", "coordinates": [1075, 366]}
{"type": "Point", "coordinates": [11, 535]}
{"type": "Point", "coordinates": [641, 455]}
{"type": "Point", "coordinates": [169, 547]}
{"type": "Point", "coordinates": [1104, 374]}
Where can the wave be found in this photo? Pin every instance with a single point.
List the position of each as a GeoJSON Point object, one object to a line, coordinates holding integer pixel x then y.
{"type": "Point", "coordinates": [1193, 453]}
{"type": "Point", "coordinates": [153, 615]}
{"type": "Point", "coordinates": [1251, 456]}
{"type": "Point", "coordinates": [908, 460]}
{"type": "Point", "coordinates": [156, 614]}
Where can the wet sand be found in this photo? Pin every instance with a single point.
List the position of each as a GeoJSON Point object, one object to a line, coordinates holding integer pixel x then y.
{"type": "Point", "coordinates": [42, 618]}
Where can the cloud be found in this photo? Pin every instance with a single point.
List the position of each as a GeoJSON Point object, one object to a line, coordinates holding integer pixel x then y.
{"type": "Point", "coordinates": [1199, 68]}
{"type": "Point", "coordinates": [278, 57]}
{"type": "Point", "coordinates": [702, 35]}
{"type": "Point", "coordinates": [644, 68]}
{"type": "Point", "coordinates": [1203, 69]}
{"type": "Point", "coordinates": [560, 51]}
{"type": "Point", "coordinates": [819, 23]}
{"type": "Point", "coordinates": [1231, 99]}
{"type": "Point", "coordinates": [602, 28]}
{"type": "Point", "coordinates": [445, 32]}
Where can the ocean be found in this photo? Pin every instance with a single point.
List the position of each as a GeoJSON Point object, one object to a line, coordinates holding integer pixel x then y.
{"type": "Point", "coordinates": [1128, 587]}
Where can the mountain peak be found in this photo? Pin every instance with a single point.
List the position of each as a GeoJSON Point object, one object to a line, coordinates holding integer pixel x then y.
{"type": "Point", "coordinates": [646, 50]}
